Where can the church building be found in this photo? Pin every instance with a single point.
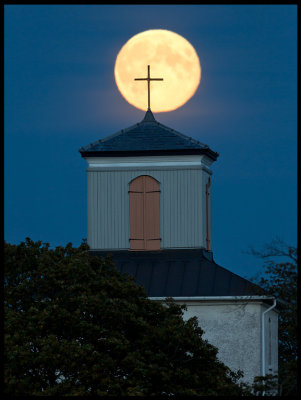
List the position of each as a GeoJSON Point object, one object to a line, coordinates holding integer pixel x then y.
{"type": "Point", "coordinates": [149, 193]}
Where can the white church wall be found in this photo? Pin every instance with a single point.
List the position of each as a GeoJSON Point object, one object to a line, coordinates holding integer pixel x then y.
{"type": "Point", "coordinates": [235, 329]}
{"type": "Point", "coordinates": [182, 206]}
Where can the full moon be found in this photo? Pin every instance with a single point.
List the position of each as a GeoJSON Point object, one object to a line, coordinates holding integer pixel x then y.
{"type": "Point", "coordinates": [170, 57]}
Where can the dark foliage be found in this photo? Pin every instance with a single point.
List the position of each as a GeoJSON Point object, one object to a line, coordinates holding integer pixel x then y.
{"type": "Point", "coordinates": [279, 278]}
{"type": "Point", "coordinates": [75, 326]}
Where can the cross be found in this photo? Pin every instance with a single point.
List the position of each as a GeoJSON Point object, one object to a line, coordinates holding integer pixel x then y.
{"type": "Point", "coordinates": [148, 79]}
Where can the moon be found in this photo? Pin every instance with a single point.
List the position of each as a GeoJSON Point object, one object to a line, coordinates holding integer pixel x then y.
{"type": "Point", "coordinates": [170, 57]}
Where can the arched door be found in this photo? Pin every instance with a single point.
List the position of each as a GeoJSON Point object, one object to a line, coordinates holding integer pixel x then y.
{"type": "Point", "coordinates": [144, 214]}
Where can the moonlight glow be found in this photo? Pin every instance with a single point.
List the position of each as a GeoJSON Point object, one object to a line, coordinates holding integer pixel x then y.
{"type": "Point", "coordinates": [170, 57]}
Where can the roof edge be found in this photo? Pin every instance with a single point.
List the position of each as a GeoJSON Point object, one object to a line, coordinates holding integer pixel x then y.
{"type": "Point", "coordinates": [215, 298]}
{"type": "Point", "coordinates": [251, 298]}
{"type": "Point", "coordinates": [121, 131]}
{"type": "Point", "coordinates": [207, 151]}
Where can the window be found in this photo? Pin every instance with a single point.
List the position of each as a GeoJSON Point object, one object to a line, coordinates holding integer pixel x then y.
{"type": "Point", "coordinates": [144, 214]}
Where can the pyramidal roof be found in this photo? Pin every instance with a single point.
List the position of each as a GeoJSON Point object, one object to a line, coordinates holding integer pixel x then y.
{"type": "Point", "coordinates": [147, 137]}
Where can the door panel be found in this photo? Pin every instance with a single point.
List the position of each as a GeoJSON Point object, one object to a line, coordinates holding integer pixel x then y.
{"type": "Point", "coordinates": [136, 215]}
{"type": "Point", "coordinates": [144, 214]}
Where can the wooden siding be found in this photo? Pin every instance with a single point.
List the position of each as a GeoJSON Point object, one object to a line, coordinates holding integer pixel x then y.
{"type": "Point", "coordinates": [182, 207]}
{"type": "Point", "coordinates": [136, 192]}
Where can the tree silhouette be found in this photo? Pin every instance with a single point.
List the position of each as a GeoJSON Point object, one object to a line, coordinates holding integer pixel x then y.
{"type": "Point", "coordinates": [75, 326]}
{"type": "Point", "coordinates": [279, 278]}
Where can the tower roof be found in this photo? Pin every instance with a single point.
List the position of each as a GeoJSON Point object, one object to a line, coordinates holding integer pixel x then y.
{"type": "Point", "coordinates": [147, 137]}
{"type": "Point", "coordinates": [180, 272]}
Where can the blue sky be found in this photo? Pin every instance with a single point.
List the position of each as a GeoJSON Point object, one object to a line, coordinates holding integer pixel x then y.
{"type": "Point", "coordinates": [60, 95]}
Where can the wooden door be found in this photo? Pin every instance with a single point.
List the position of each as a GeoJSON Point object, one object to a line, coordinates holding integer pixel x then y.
{"type": "Point", "coordinates": [144, 214]}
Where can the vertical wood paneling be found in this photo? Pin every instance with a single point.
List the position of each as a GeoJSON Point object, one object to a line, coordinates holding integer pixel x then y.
{"type": "Point", "coordinates": [119, 224]}
{"type": "Point", "coordinates": [165, 209]}
{"type": "Point", "coordinates": [198, 205]}
{"type": "Point", "coordinates": [175, 203]}
{"type": "Point", "coordinates": [89, 205]}
{"type": "Point", "coordinates": [93, 197]}
{"type": "Point", "coordinates": [152, 220]}
{"type": "Point", "coordinates": [111, 217]}
{"type": "Point", "coordinates": [93, 201]}
{"type": "Point", "coordinates": [101, 204]}
{"type": "Point", "coordinates": [190, 215]}
{"type": "Point", "coordinates": [210, 215]}
{"type": "Point", "coordinates": [136, 215]}
{"type": "Point", "coordinates": [152, 215]}
{"type": "Point", "coordinates": [181, 207]}
{"type": "Point", "coordinates": [185, 217]}
{"type": "Point", "coordinates": [97, 201]}
{"type": "Point", "coordinates": [136, 194]}
{"type": "Point", "coordinates": [144, 196]}
{"type": "Point", "coordinates": [193, 215]}
{"type": "Point", "coordinates": [204, 181]}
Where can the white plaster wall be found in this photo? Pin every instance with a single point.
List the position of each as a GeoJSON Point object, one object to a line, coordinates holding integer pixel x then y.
{"type": "Point", "coordinates": [235, 329]}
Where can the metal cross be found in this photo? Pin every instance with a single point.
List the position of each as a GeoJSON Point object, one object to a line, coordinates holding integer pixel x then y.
{"type": "Point", "coordinates": [148, 79]}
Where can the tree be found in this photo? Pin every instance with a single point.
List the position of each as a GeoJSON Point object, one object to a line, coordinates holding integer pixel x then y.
{"type": "Point", "coordinates": [75, 326]}
{"type": "Point", "coordinates": [279, 279]}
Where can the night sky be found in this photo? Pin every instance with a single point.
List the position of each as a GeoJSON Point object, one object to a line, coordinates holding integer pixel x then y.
{"type": "Point", "coordinates": [60, 95]}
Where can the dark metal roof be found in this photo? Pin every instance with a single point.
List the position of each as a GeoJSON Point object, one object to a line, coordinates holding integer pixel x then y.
{"type": "Point", "coordinates": [180, 273]}
{"type": "Point", "coordinates": [146, 137]}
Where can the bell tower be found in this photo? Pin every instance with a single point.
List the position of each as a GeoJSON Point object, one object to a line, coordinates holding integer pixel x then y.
{"type": "Point", "coordinates": [149, 188]}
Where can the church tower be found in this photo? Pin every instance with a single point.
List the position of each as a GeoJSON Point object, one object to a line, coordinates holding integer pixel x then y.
{"type": "Point", "coordinates": [149, 206]}
{"type": "Point", "coordinates": [149, 188]}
